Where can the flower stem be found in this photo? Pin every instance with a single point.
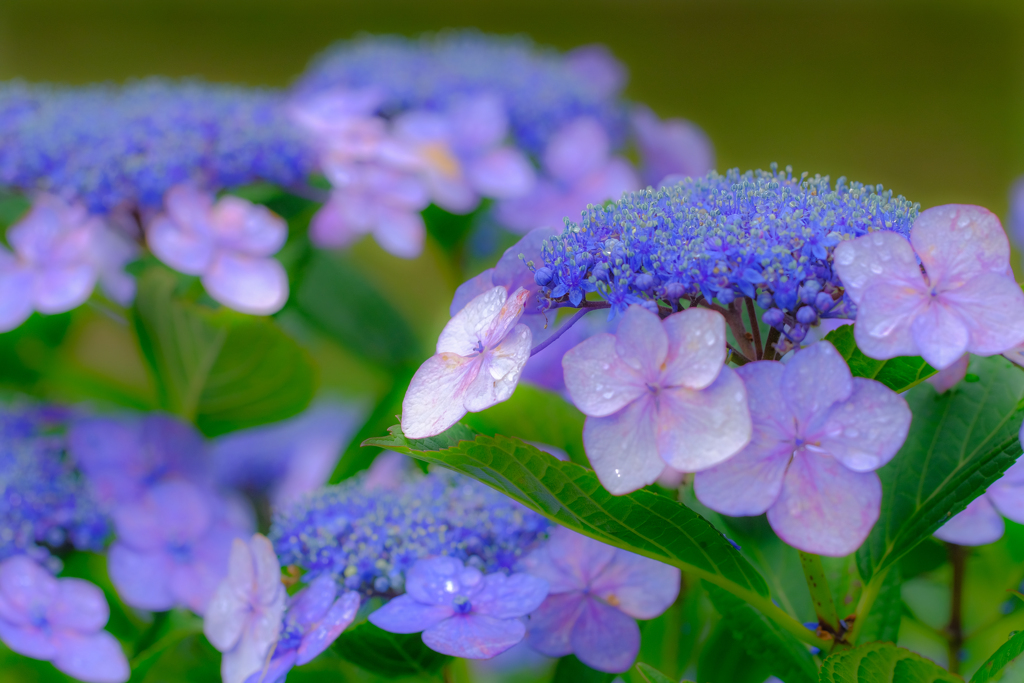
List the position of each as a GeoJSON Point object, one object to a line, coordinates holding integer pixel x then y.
{"type": "Point", "coordinates": [864, 605]}
{"type": "Point", "coordinates": [955, 628]}
{"type": "Point", "coordinates": [821, 596]}
{"type": "Point", "coordinates": [754, 329]}
{"type": "Point", "coordinates": [560, 331]}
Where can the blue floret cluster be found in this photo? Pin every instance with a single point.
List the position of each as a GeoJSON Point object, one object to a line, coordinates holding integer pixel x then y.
{"type": "Point", "coordinates": [123, 147]}
{"type": "Point", "coordinates": [538, 85]}
{"type": "Point", "coordinates": [368, 539]}
{"type": "Point", "coordinates": [766, 235]}
{"type": "Point", "coordinates": [44, 503]}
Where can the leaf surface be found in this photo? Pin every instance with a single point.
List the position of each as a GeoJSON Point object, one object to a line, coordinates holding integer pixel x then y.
{"type": "Point", "coordinates": [882, 663]}
{"type": "Point", "coordinates": [993, 667]}
{"type": "Point", "coordinates": [899, 374]}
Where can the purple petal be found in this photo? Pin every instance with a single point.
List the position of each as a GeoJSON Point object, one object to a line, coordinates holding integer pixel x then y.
{"type": "Point", "coordinates": [400, 231]}
{"type": "Point", "coordinates": [597, 380]}
{"type": "Point", "coordinates": [185, 250]}
{"type": "Point", "coordinates": [642, 341]}
{"type": "Point", "coordinates": [95, 658]}
{"type": "Point", "coordinates": [478, 122]}
{"type": "Point", "coordinates": [878, 257]}
{"type": "Point", "coordinates": [142, 579]}
{"type": "Point", "coordinates": [451, 192]}
{"type": "Point", "coordinates": [474, 636]}
{"type": "Point", "coordinates": [578, 148]}
{"type": "Point", "coordinates": [639, 586]}
{"type": "Point", "coordinates": [462, 333]}
{"type": "Point", "coordinates": [61, 288]}
{"type": "Point", "coordinates": [405, 614]}
{"type": "Point", "coordinates": [865, 431]}
{"type": "Point", "coordinates": [80, 606]}
{"type": "Point", "coordinates": [312, 603]}
{"type": "Point", "coordinates": [992, 307]}
{"type": "Point", "coordinates": [550, 627]}
{"type": "Point", "coordinates": [957, 242]}
{"type": "Point", "coordinates": [674, 147]}
{"type": "Point", "coordinates": [25, 585]}
{"type": "Point", "coordinates": [1007, 494]}
{"type": "Point", "coordinates": [15, 292]}
{"type": "Point", "coordinates": [338, 223]}
{"type": "Point", "coordinates": [815, 379]}
{"type": "Point", "coordinates": [698, 429]}
{"type": "Point", "coordinates": [250, 284]}
{"type": "Point", "coordinates": [577, 558]}
{"type": "Point", "coordinates": [508, 597]}
{"type": "Point", "coordinates": [337, 619]}
{"type": "Point", "coordinates": [696, 348]}
{"type": "Point", "coordinates": [269, 589]}
{"type": "Point", "coordinates": [500, 370]}
{"type": "Point", "coordinates": [229, 609]}
{"type": "Point", "coordinates": [623, 448]}
{"type": "Point", "coordinates": [502, 173]}
{"type": "Point", "coordinates": [605, 638]}
{"type": "Point", "coordinates": [949, 377]}
{"type": "Point", "coordinates": [276, 671]}
{"type": "Point", "coordinates": [980, 523]}
{"type": "Point", "coordinates": [747, 483]}
{"type": "Point", "coordinates": [470, 289]}
{"type": "Point", "coordinates": [247, 228]}
{"type": "Point", "coordinates": [941, 334]}
{"type": "Point", "coordinates": [435, 399]}
{"type": "Point", "coordinates": [28, 640]}
{"type": "Point", "coordinates": [437, 580]}
{"type": "Point", "coordinates": [597, 68]}
{"type": "Point", "coordinates": [512, 272]}
{"type": "Point", "coordinates": [885, 316]}
{"type": "Point", "coordinates": [825, 508]}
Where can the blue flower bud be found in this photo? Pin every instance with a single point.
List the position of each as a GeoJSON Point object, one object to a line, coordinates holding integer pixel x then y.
{"type": "Point", "coordinates": [674, 291]}
{"type": "Point", "coordinates": [809, 290]}
{"type": "Point", "coordinates": [824, 302]}
{"type": "Point", "coordinates": [726, 296]}
{"type": "Point", "coordinates": [798, 333]}
{"type": "Point", "coordinates": [774, 317]}
{"type": "Point", "coordinates": [601, 272]}
{"type": "Point", "coordinates": [585, 260]}
{"type": "Point", "coordinates": [764, 300]}
{"type": "Point", "coordinates": [807, 315]}
{"type": "Point", "coordinates": [543, 276]}
{"type": "Point", "coordinates": [645, 282]}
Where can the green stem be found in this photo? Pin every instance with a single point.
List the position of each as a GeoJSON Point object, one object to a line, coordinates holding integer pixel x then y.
{"type": "Point", "coordinates": [864, 605]}
{"type": "Point", "coordinates": [955, 628]}
{"type": "Point", "coordinates": [821, 595]}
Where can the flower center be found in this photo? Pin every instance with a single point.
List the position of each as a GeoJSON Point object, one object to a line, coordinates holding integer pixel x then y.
{"type": "Point", "coordinates": [462, 604]}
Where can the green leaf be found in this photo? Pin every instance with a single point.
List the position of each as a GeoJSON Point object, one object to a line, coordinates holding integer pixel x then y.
{"type": "Point", "coordinates": [652, 675]}
{"type": "Point", "coordinates": [334, 295]}
{"type": "Point", "coordinates": [959, 443]}
{"type": "Point", "coordinates": [882, 663]}
{"type": "Point", "coordinates": [220, 369]}
{"type": "Point", "coordinates": [356, 458]}
{"type": "Point", "coordinates": [899, 374]}
{"type": "Point", "coordinates": [723, 657]}
{"type": "Point", "coordinates": [571, 670]}
{"type": "Point", "coordinates": [571, 495]}
{"type": "Point", "coordinates": [883, 621]}
{"type": "Point", "coordinates": [1000, 659]}
{"type": "Point", "coordinates": [669, 640]}
{"type": "Point", "coordinates": [179, 627]}
{"type": "Point", "coordinates": [762, 640]}
{"type": "Point", "coordinates": [388, 654]}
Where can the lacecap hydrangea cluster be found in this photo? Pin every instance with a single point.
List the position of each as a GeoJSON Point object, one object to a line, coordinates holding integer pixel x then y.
{"type": "Point", "coordinates": [368, 537]}
{"type": "Point", "coordinates": [44, 503]}
{"type": "Point", "coordinates": [124, 146]}
{"type": "Point", "coordinates": [767, 235]}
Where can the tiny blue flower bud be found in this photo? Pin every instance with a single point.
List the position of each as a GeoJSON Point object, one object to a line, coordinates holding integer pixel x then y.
{"type": "Point", "coordinates": [726, 296]}
{"type": "Point", "coordinates": [644, 282]}
{"type": "Point", "coordinates": [601, 272]}
{"type": "Point", "coordinates": [543, 276]}
{"type": "Point", "coordinates": [807, 315]}
{"type": "Point", "coordinates": [585, 260]}
{"type": "Point", "coordinates": [674, 291]}
{"type": "Point", "coordinates": [764, 300]}
{"type": "Point", "coordinates": [798, 333]}
{"type": "Point", "coordinates": [809, 290]}
{"type": "Point", "coordinates": [824, 302]}
{"type": "Point", "coordinates": [774, 317]}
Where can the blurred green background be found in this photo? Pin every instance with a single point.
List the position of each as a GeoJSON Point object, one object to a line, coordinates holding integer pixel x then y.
{"type": "Point", "coordinates": [926, 97]}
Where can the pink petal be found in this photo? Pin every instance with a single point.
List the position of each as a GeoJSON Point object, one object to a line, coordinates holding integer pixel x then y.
{"type": "Point", "coordinates": [462, 334]}
{"type": "Point", "coordinates": [509, 597]}
{"type": "Point", "coordinates": [95, 658]}
{"type": "Point", "coordinates": [502, 173]}
{"type": "Point", "coordinates": [550, 627]}
{"type": "Point", "coordinates": [880, 256]}
{"type": "Point", "coordinates": [622, 448]}
{"type": "Point", "coordinates": [639, 586]}
{"type": "Point", "coordinates": [949, 377]}
{"type": "Point", "coordinates": [597, 380]}
{"type": "Point", "coordinates": [28, 640]}
{"type": "Point", "coordinates": [642, 341]}
{"type": "Point", "coordinates": [957, 242]}
{"type": "Point", "coordinates": [338, 618]}
{"type": "Point", "coordinates": [142, 579]}
{"type": "Point", "coordinates": [605, 638]}
{"type": "Point", "coordinates": [248, 228]}
{"type": "Point", "coordinates": [747, 483]}
{"type": "Point", "coordinates": [825, 508]}
{"type": "Point", "coordinates": [80, 606]}
{"type": "Point", "coordinates": [474, 636]}
{"type": "Point", "coordinates": [500, 371]}
{"type": "Point", "coordinates": [400, 232]}
{"type": "Point", "coordinates": [15, 293]}
{"type": "Point", "coordinates": [470, 289]}
{"type": "Point", "coordinates": [992, 307]}
{"type": "Point", "coordinates": [1007, 494]}
{"type": "Point", "coordinates": [698, 429]}
{"type": "Point", "coordinates": [229, 609]}
{"type": "Point", "coordinates": [816, 378]}
{"type": "Point", "coordinates": [979, 523]}
{"type": "Point", "coordinates": [578, 148]}
{"type": "Point", "coordinates": [506, 319]}
{"type": "Point", "coordinates": [696, 348]}
{"type": "Point", "coordinates": [867, 430]}
{"type": "Point", "coordinates": [452, 192]}
{"type": "Point", "coordinates": [58, 289]}
{"type": "Point", "coordinates": [436, 397]}
{"type": "Point", "coordinates": [254, 285]}
{"type": "Point", "coordinates": [339, 222]}
{"type": "Point", "coordinates": [185, 250]}
{"type": "Point", "coordinates": [885, 316]}
{"type": "Point", "coordinates": [941, 334]}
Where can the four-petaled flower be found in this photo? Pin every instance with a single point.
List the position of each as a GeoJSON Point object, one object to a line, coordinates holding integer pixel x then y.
{"type": "Point", "coordinates": [655, 394]}
{"type": "Point", "coordinates": [244, 617]}
{"type": "Point", "coordinates": [982, 521]}
{"type": "Point", "coordinates": [480, 356]}
{"type": "Point", "coordinates": [819, 434]}
{"type": "Point", "coordinates": [60, 621]}
{"type": "Point", "coordinates": [597, 592]}
{"type": "Point", "coordinates": [966, 299]}
{"type": "Point", "coordinates": [460, 611]}
{"type": "Point", "coordinates": [229, 243]}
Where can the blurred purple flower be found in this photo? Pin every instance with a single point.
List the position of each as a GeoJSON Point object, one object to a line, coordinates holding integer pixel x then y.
{"type": "Point", "coordinates": [597, 592]}
{"type": "Point", "coordinates": [342, 124]}
{"type": "Point", "coordinates": [245, 615]}
{"type": "Point", "coordinates": [1017, 211]}
{"type": "Point", "coordinates": [965, 301]}
{"type": "Point", "coordinates": [172, 546]}
{"type": "Point", "coordinates": [671, 148]}
{"type": "Point", "coordinates": [480, 356]}
{"type": "Point", "coordinates": [60, 621]}
{"type": "Point", "coordinates": [462, 612]}
{"type": "Point", "coordinates": [579, 171]}
{"type": "Point", "coordinates": [656, 393]}
{"type": "Point", "coordinates": [596, 66]}
{"type": "Point", "coordinates": [229, 243]}
{"type": "Point", "coordinates": [819, 435]}
{"type": "Point", "coordinates": [511, 272]}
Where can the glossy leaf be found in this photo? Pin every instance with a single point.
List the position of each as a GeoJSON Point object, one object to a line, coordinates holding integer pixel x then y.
{"type": "Point", "coordinates": [882, 663]}
{"type": "Point", "coordinates": [959, 443]}
{"type": "Point", "coordinates": [388, 654]}
{"type": "Point", "coordinates": [652, 675]}
{"type": "Point", "coordinates": [992, 669]}
{"type": "Point", "coordinates": [723, 657]}
{"type": "Point", "coordinates": [883, 621]}
{"type": "Point", "coordinates": [899, 374]}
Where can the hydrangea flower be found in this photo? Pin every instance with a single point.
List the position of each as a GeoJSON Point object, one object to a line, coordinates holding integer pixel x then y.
{"type": "Point", "coordinates": [172, 546]}
{"type": "Point", "coordinates": [368, 530]}
{"type": "Point", "coordinates": [819, 436]}
{"type": "Point", "coordinates": [57, 261]}
{"type": "Point", "coordinates": [657, 393]}
{"type": "Point", "coordinates": [461, 611]}
{"type": "Point", "coordinates": [579, 170]}
{"type": "Point", "coordinates": [313, 620]}
{"type": "Point", "coordinates": [670, 149]}
{"type": "Point", "coordinates": [228, 243]}
{"type": "Point", "coordinates": [480, 355]}
{"type": "Point", "coordinates": [245, 615]}
{"type": "Point", "coordinates": [965, 301]}
{"type": "Point", "coordinates": [597, 592]}
{"type": "Point", "coordinates": [981, 521]}
{"type": "Point", "coordinates": [60, 621]}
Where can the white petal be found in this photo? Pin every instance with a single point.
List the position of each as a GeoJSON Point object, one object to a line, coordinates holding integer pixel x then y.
{"type": "Point", "coordinates": [464, 332]}
{"type": "Point", "coordinates": [435, 399]}
{"type": "Point", "coordinates": [500, 371]}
